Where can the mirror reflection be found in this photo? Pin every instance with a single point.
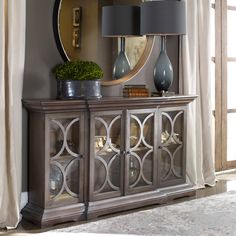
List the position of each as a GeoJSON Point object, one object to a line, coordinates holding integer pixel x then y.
{"type": "Point", "coordinates": [80, 34]}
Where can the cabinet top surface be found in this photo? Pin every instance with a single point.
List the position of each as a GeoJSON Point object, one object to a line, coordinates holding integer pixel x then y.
{"type": "Point", "coordinates": [106, 102]}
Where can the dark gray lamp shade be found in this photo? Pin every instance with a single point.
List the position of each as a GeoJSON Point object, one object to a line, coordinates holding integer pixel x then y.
{"type": "Point", "coordinates": [120, 20]}
{"type": "Point", "coordinates": [163, 18]}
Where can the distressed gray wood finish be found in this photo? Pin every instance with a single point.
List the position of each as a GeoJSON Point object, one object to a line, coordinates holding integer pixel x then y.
{"type": "Point", "coordinates": [115, 144]}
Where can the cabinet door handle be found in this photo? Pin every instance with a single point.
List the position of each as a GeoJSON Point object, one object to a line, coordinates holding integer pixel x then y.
{"type": "Point", "coordinates": [122, 152]}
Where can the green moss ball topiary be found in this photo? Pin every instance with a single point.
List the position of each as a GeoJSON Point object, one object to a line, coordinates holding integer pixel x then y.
{"type": "Point", "coordinates": [78, 70]}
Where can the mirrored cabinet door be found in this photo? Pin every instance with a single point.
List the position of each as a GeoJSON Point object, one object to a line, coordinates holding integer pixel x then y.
{"type": "Point", "coordinates": [140, 158]}
{"type": "Point", "coordinates": [172, 146]}
{"type": "Point", "coordinates": [66, 150]}
{"type": "Point", "coordinates": [106, 159]}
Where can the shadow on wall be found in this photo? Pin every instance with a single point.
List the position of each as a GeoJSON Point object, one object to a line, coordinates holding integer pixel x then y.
{"type": "Point", "coordinates": [41, 51]}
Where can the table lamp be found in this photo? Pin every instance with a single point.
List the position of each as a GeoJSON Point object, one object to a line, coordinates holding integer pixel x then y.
{"type": "Point", "coordinates": [120, 21]}
{"type": "Point", "coordinates": [163, 17]}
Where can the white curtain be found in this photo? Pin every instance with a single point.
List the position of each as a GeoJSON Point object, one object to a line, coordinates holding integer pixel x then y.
{"type": "Point", "coordinates": [195, 79]}
{"type": "Point", "coordinates": [12, 53]}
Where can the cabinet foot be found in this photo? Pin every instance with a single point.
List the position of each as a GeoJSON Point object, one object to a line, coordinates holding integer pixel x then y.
{"type": "Point", "coordinates": [52, 216]}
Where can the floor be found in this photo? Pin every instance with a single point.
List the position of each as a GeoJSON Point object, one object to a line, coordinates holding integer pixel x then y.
{"type": "Point", "coordinates": [226, 182]}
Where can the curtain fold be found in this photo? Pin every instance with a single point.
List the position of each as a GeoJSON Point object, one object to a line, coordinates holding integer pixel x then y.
{"type": "Point", "coordinates": [12, 56]}
{"type": "Point", "coordinates": [195, 79]}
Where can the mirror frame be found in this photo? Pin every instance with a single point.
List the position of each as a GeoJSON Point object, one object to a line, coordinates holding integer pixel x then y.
{"type": "Point", "coordinates": [137, 68]}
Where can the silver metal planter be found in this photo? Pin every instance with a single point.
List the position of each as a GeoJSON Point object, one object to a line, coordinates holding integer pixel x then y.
{"type": "Point", "coordinates": [78, 89]}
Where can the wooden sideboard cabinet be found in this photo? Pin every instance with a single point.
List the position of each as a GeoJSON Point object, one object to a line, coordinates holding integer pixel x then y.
{"type": "Point", "coordinates": [95, 157]}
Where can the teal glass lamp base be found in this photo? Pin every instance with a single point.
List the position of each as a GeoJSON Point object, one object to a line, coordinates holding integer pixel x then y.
{"type": "Point", "coordinates": [163, 71]}
{"type": "Point", "coordinates": [121, 65]}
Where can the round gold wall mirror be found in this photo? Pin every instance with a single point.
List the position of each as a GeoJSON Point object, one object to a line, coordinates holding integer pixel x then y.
{"type": "Point", "coordinates": [77, 30]}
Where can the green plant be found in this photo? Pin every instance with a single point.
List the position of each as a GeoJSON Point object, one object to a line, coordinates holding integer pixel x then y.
{"type": "Point", "coordinates": [78, 70]}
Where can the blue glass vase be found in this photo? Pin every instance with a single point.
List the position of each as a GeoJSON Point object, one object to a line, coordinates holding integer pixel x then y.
{"type": "Point", "coordinates": [122, 64]}
{"type": "Point", "coordinates": [163, 71]}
